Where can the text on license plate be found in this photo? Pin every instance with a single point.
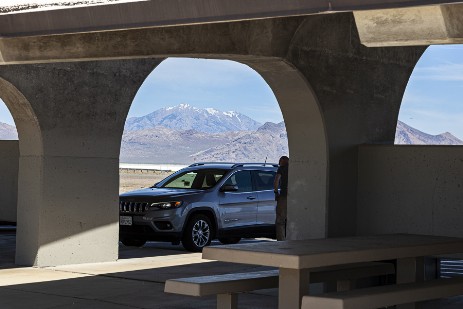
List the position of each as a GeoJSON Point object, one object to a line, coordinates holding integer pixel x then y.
{"type": "Point", "coordinates": [125, 220]}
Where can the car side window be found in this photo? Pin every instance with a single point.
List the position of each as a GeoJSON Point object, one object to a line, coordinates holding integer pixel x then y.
{"type": "Point", "coordinates": [242, 179]}
{"type": "Point", "coordinates": [264, 180]}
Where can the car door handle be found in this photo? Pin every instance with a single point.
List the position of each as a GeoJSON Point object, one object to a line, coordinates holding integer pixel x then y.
{"type": "Point", "coordinates": [251, 198]}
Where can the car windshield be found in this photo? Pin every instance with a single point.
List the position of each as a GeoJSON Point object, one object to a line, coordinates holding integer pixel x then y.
{"type": "Point", "coordinates": [195, 179]}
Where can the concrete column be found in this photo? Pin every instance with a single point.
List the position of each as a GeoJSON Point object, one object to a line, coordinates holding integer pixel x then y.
{"type": "Point", "coordinates": [68, 170]}
{"type": "Point", "coordinates": [360, 91]}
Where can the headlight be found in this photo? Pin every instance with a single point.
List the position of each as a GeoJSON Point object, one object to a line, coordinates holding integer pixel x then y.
{"type": "Point", "coordinates": [167, 205]}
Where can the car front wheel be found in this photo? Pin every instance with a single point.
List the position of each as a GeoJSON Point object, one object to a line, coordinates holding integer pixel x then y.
{"type": "Point", "coordinates": [197, 234]}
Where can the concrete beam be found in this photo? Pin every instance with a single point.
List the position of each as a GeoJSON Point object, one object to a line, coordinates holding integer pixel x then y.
{"type": "Point", "coordinates": [154, 13]}
{"type": "Point", "coordinates": [244, 39]}
{"type": "Point", "coordinates": [411, 26]}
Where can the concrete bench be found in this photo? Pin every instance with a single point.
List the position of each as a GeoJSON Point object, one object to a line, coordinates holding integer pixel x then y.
{"type": "Point", "coordinates": [227, 286]}
{"type": "Point", "coordinates": [387, 295]}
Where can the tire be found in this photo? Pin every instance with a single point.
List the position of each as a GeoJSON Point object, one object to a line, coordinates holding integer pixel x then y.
{"type": "Point", "coordinates": [130, 242]}
{"type": "Point", "coordinates": [229, 240]}
{"type": "Point", "coordinates": [198, 233]}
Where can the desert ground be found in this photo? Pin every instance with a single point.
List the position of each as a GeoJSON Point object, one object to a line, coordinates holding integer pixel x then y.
{"type": "Point", "coordinates": [131, 179]}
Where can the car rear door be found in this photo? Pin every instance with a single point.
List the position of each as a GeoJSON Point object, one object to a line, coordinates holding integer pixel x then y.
{"type": "Point", "coordinates": [238, 208]}
{"type": "Point", "coordinates": [266, 207]}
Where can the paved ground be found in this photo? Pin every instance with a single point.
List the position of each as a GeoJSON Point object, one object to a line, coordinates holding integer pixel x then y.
{"type": "Point", "coordinates": [135, 281]}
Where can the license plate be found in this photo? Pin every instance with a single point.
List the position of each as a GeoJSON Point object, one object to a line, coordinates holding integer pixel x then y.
{"type": "Point", "coordinates": [125, 220]}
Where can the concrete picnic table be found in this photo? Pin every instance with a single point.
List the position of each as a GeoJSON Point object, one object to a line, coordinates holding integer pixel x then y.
{"type": "Point", "coordinates": [295, 258]}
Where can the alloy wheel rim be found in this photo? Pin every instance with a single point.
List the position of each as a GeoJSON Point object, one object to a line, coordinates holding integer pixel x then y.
{"type": "Point", "coordinates": [201, 233]}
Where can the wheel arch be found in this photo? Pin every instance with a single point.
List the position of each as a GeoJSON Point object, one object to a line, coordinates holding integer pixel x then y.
{"type": "Point", "coordinates": [209, 212]}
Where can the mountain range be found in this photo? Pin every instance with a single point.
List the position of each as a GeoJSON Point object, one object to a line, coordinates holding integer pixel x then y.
{"type": "Point", "coordinates": [406, 135]}
{"type": "Point", "coordinates": [185, 134]}
{"type": "Point", "coordinates": [186, 117]}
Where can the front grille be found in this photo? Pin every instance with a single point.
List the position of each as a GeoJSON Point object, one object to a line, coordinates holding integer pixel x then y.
{"type": "Point", "coordinates": [133, 207]}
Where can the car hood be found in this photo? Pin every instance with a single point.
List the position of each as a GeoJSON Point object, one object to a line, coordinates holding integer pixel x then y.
{"type": "Point", "coordinates": [158, 192]}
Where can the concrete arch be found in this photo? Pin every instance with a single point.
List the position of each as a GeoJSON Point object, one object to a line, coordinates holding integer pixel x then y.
{"type": "Point", "coordinates": [308, 147]}
{"type": "Point", "coordinates": [82, 106]}
{"type": "Point", "coordinates": [29, 140]}
{"type": "Point", "coordinates": [359, 90]}
{"type": "Point", "coordinates": [306, 140]}
{"type": "Point", "coordinates": [70, 117]}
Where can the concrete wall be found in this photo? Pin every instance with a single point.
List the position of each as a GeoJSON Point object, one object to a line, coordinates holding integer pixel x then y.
{"type": "Point", "coordinates": [410, 189]}
{"type": "Point", "coordinates": [9, 164]}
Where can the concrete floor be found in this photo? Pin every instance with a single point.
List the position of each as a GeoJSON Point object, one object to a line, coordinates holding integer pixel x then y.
{"type": "Point", "coordinates": [135, 281]}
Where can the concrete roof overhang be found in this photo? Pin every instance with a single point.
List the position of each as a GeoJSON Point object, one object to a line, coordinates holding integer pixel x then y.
{"type": "Point", "coordinates": [152, 13]}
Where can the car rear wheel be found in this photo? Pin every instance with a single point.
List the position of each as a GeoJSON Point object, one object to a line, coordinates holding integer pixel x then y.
{"type": "Point", "coordinates": [229, 240]}
{"type": "Point", "coordinates": [197, 234]}
{"type": "Point", "coordinates": [130, 242]}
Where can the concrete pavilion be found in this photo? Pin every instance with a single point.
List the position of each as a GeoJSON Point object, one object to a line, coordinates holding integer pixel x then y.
{"type": "Point", "coordinates": [338, 69]}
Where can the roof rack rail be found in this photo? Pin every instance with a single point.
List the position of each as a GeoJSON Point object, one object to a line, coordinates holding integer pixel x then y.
{"type": "Point", "coordinates": [255, 164]}
{"type": "Point", "coordinates": [206, 163]}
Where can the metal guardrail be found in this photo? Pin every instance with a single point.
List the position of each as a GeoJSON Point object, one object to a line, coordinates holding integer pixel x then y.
{"type": "Point", "coordinates": [450, 268]}
{"type": "Point", "coordinates": [233, 165]}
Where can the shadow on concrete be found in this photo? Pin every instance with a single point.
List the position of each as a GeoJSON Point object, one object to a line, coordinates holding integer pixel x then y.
{"type": "Point", "coordinates": [150, 249]}
{"type": "Point", "coordinates": [108, 292]}
{"type": "Point", "coordinates": [110, 285]}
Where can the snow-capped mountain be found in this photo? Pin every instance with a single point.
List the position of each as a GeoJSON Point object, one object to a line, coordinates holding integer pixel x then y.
{"type": "Point", "coordinates": [186, 117]}
{"type": "Point", "coordinates": [408, 135]}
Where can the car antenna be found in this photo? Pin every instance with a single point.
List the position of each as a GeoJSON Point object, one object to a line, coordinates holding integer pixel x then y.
{"type": "Point", "coordinates": [265, 160]}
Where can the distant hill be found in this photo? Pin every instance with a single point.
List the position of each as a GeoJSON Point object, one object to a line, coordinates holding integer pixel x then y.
{"type": "Point", "coordinates": [8, 132]}
{"type": "Point", "coordinates": [186, 117]}
{"type": "Point", "coordinates": [163, 145]}
{"type": "Point", "coordinates": [408, 135]}
{"type": "Point", "coordinates": [269, 142]}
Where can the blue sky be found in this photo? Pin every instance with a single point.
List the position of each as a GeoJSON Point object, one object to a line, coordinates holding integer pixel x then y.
{"type": "Point", "coordinates": [221, 84]}
{"type": "Point", "coordinates": [432, 101]}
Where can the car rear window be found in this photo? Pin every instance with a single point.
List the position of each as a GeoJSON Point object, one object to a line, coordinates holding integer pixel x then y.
{"type": "Point", "coordinates": [264, 180]}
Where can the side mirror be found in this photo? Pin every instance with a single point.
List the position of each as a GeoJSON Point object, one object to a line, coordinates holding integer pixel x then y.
{"type": "Point", "coordinates": [229, 188]}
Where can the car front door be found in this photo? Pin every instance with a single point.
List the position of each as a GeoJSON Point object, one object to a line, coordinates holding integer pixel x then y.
{"type": "Point", "coordinates": [238, 208]}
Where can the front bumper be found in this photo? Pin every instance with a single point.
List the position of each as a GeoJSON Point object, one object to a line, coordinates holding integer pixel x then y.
{"type": "Point", "coordinates": [166, 225]}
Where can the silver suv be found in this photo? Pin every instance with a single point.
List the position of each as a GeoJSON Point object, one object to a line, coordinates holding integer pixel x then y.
{"type": "Point", "coordinates": [202, 202]}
